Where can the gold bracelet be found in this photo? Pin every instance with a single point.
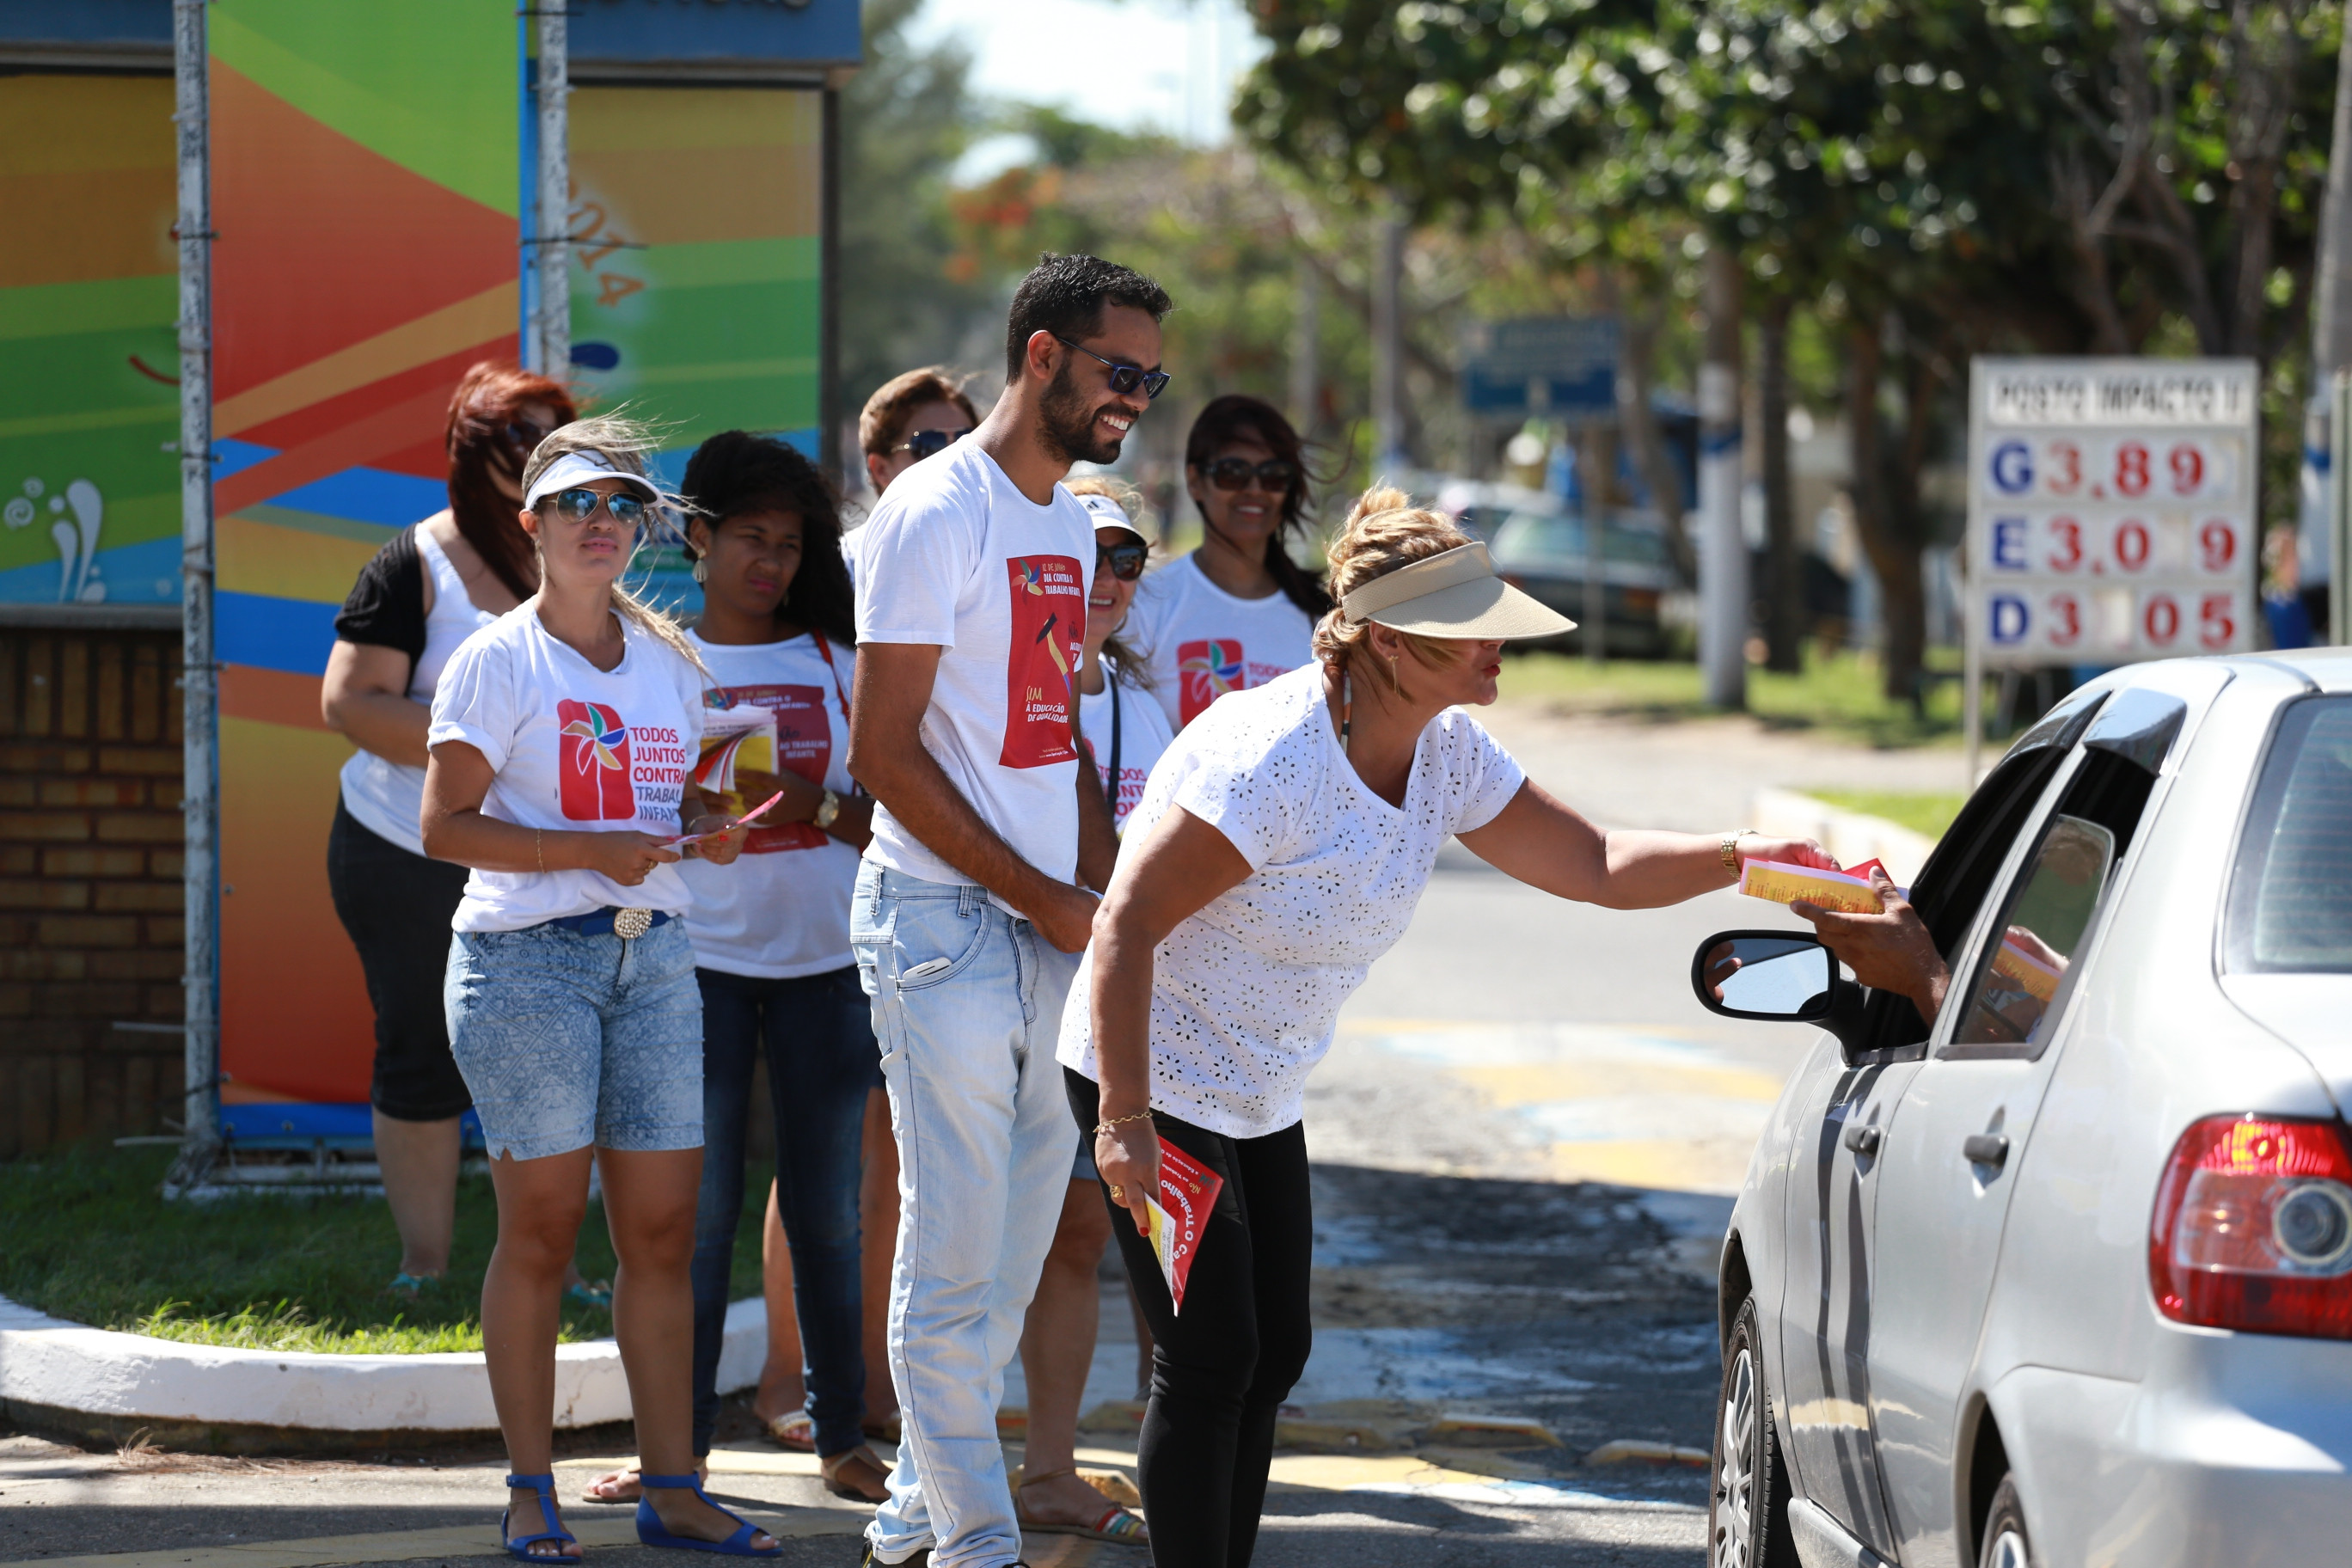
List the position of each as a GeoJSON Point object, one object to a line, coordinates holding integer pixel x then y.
{"type": "Point", "coordinates": [1103, 1126]}
{"type": "Point", "coordinates": [539, 848]}
{"type": "Point", "coordinates": [1731, 849]}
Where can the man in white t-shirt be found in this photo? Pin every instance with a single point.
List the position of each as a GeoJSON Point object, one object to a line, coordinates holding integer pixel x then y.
{"type": "Point", "coordinates": [969, 908]}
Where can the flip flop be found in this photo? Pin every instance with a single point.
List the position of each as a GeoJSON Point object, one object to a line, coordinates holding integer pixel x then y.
{"type": "Point", "coordinates": [857, 1474]}
{"type": "Point", "coordinates": [1116, 1524]}
{"type": "Point", "coordinates": [793, 1430]}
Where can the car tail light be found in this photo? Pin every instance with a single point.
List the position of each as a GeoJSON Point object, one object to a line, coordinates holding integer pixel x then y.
{"type": "Point", "coordinates": [2254, 1227]}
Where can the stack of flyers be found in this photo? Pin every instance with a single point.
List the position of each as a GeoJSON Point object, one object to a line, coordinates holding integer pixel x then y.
{"type": "Point", "coordinates": [756, 812]}
{"type": "Point", "coordinates": [1847, 891]}
{"type": "Point", "coordinates": [733, 738]}
{"type": "Point", "coordinates": [1188, 1193]}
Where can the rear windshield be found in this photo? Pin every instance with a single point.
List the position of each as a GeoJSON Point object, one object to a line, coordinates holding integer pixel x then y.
{"type": "Point", "coordinates": [2291, 896]}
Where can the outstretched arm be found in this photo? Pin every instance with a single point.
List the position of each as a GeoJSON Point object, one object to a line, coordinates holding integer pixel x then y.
{"type": "Point", "coordinates": [1547, 844]}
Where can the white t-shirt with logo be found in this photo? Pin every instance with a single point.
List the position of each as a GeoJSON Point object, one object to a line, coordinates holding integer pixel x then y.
{"type": "Point", "coordinates": [574, 749]}
{"type": "Point", "coordinates": [957, 557]}
{"type": "Point", "coordinates": [1199, 642]}
{"type": "Point", "coordinates": [1246, 993]}
{"type": "Point", "coordinates": [1139, 726]}
{"type": "Point", "coordinates": [782, 909]}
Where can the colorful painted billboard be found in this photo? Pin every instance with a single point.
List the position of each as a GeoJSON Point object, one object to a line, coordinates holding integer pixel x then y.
{"type": "Point", "coordinates": [90, 491]}
{"type": "Point", "coordinates": [695, 300]}
{"type": "Point", "coordinates": [365, 185]}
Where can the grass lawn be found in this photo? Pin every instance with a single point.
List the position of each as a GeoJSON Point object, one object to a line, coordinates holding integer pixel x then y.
{"type": "Point", "coordinates": [1838, 694]}
{"type": "Point", "coordinates": [89, 1238]}
{"type": "Point", "coordinates": [1927, 814]}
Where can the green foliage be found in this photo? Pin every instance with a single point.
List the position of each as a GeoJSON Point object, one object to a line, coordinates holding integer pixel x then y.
{"type": "Point", "coordinates": [1927, 814]}
{"type": "Point", "coordinates": [89, 1239]}
{"type": "Point", "coordinates": [1838, 695]}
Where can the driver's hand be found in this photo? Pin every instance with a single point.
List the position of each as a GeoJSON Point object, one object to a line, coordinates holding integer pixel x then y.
{"type": "Point", "coordinates": [1891, 951]}
{"type": "Point", "coordinates": [1720, 967]}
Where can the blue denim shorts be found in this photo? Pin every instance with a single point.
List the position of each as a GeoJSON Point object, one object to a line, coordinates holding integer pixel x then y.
{"type": "Point", "coordinates": [567, 1040]}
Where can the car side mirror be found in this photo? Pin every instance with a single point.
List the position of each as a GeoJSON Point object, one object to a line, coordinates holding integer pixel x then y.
{"type": "Point", "coordinates": [1781, 976]}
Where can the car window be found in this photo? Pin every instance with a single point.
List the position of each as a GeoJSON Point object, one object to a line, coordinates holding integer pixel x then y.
{"type": "Point", "coordinates": [1528, 537]}
{"type": "Point", "coordinates": [1630, 545]}
{"type": "Point", "coordinates": [2291, 891]}
{"type": "Point", "coordinates": [2042, 932]}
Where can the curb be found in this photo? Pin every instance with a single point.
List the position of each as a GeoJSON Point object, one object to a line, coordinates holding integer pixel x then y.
{"type": "Point", "coordinates": [97, 1384]}
{"type": "Point", "coordinates": [1854, 837]}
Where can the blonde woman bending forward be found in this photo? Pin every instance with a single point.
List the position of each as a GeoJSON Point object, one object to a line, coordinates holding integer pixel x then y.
{"type": "Point", "coordinates": [1279, 848]}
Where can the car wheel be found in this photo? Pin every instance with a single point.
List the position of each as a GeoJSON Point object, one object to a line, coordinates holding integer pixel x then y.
{"type": "Point", "coordinates": [1747, 1512]}
{"type": "Point", "coordinates": [2006, 1544]}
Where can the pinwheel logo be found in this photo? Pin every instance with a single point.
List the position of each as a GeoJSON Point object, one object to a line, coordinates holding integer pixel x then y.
{"type": "Point", "coordinates": [1209, 669]}
{"type": "Point", "coordinates": [592, 764]}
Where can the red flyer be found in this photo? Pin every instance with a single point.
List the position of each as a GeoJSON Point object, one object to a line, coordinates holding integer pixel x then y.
{"type": "Point", "coordinates": [1188, 1196]}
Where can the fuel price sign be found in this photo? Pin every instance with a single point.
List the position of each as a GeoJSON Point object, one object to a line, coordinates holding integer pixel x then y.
{"type": "Point", "coordinates": [2111, 510]}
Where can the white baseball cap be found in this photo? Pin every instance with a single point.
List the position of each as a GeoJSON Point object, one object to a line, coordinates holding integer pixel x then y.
{"type": "Point", "coordinates": [578, 468]}
{"type": "Point", "coordinates": [1109, 513]}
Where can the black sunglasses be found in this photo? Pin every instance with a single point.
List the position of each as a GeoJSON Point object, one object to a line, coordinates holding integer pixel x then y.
{"type": "Point", "coordinates": [1124, 378]}
{"type": "Point", "coordinates": [929, 443]}
{"type": "Point", "coordinates": [1274, 476]}
{"type": "Point", "coordinates": [1126, 561]}
{"type": "Point", "coordinates": [579, 506]}
{"type": "Point", "coordinates": [524, 437]}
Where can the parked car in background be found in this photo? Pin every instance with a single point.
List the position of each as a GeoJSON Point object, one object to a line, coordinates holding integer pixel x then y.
{"type": "Point", "coordinates": [1546, 554]}
{"type": "Point", "coordinates": [2065, 1276]}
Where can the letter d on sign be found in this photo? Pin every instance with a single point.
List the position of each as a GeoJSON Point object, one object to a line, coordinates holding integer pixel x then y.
{"type": "Point", "coordinates": [2008, 619]}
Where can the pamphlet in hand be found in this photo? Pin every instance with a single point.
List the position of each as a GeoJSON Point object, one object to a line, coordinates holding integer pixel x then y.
{"type": "Point", "coordinates": [732, 738]}
{"type": "Point", "coordinates": [759, 810]}
{"type": "Point", "coordinates": [1849, 892]}
{"type": "Point", "coordinates": [1188, 1193]}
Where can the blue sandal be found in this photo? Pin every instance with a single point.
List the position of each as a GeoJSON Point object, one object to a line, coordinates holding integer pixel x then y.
{"type": "Point", "coordinates": [651, 1530]}
{"type": "Point", "coordinates": [521, 1545]}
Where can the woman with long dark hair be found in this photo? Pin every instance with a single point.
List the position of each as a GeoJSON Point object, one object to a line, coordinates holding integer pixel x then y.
{"type": "Point", "coordinates": [426, 592]}
{"type": "Point", "coordinates": [1238, 611]}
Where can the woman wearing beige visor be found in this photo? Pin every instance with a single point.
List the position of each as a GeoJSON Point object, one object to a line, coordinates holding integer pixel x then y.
{"type": "Point", "coordinates": [1279, 848]}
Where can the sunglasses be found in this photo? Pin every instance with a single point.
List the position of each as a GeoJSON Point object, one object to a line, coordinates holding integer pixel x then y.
{"type": "Point", "coordinates": [1126, 561]}
{"type": "Point", "coordinates": [579, 506]}
{"type": "Point", "coordinates": [1124, 378]}
{"type": "Point", "coordinates": [1274, 476]}
{"type": "Point", "coordinates": [929, 443]}
{"type": "Point", "coordinates": [524, 437]}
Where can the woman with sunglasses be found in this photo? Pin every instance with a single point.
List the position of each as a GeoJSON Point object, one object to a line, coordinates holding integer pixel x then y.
{"type": "Point", "coordinates": [1238, 611]}
{"type": "Point", "coordinates": [1128, 732]}
{"type": "Point", "coordinates": [563, 742]}
{"type": "Point", "coordinates": [1279, 849]}
{"type": "Point", "coordinates": [433, 586]}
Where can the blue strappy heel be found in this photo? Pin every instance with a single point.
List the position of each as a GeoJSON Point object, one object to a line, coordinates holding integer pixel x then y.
{"type": "Point", "coordinates": [651, 1530]}
{"type": "Point", "coordinates": [521, 1545]}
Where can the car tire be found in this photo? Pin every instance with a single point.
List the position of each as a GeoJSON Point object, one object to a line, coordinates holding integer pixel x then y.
{"type": "Point", "coordinates": [1748, 1502]}
{"type": "Point", "coordinates": [2006, 1543]}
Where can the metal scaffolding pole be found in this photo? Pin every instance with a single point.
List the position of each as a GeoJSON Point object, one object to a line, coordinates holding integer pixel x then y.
{"type": "Point", "coordinates": [201, 750]}
{"type": "Point", "coordinates": [552, 324]}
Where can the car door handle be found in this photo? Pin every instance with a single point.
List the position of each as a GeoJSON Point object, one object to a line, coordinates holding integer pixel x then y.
{"type": "Point", "coordinates": [1987, 1148]}
{"type": "Point", "coordinates": [1861, 1138]}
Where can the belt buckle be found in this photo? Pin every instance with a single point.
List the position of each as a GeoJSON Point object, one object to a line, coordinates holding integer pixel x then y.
{"type": "Point", "coordinates": [630, 924]}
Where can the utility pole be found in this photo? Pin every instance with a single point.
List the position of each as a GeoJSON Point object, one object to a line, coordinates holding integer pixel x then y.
{"type": "Point", "coordinates": [200, 710]}
{"type": "Point", "coordinates": [552, 322]}
{"type": "Point", "coordinates": [2331, 352]}
{"type": "Point", "coordinates": [1388, 348]}
{"type": "Point", "coordinates": [1723, 554]}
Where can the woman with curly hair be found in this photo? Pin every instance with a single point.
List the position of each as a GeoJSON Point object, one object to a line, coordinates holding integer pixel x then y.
{"type": "Point", "coordinates": [1238, 611]}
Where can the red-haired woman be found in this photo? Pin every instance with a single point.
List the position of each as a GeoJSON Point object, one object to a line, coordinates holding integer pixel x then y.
{"type": "Point", "coordinates": [433, 586]}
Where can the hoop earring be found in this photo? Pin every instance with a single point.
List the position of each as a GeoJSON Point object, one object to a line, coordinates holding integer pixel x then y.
{"type": "Point", "coordinates": [702, 570]}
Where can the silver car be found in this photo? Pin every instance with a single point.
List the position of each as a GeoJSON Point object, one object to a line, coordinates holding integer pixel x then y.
{"type": "Point", "coordinates": [2066, 1277]}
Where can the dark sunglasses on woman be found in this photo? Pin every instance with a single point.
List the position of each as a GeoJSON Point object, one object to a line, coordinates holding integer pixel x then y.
{"type": "Point", "coordinates": [579, 506]}
{"type": "Point", "coordinates": [1274, 476]}
{"type": "Point", "coordinates": [1124, 378]}
{"type": "Point", "coordinates": [929, 443]}
{"type": "Point", "coordinates": [1126, 561]}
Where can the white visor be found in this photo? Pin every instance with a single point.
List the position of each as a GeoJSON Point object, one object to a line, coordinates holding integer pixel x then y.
{"type": "Point", "coordinates": [574, 468]}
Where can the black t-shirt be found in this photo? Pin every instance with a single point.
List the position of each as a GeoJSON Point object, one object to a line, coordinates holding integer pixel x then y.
{"type": "Point", "coordinates": [385, 607]}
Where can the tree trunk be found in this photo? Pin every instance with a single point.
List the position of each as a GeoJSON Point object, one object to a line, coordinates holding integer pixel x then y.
{"type": "Point", "coordinates": [1784, 574]}
{"type": "Point", "coordinates": [1890, 542]}
{"type": "Point", "coordinates": [1637, 344]}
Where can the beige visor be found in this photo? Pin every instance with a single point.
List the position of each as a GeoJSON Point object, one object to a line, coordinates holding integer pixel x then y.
{"type": "Point", "coordinates": [1455, 594]}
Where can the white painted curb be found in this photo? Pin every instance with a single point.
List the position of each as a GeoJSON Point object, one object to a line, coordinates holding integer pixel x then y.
{"type": "Point", "coordinates": [1854, 837]}
{"type": "Point", "coordinates": [45, 1360]}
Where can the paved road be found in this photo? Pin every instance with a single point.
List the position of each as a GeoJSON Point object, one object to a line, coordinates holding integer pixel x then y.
{"type": "Point", "coordinates": [1523, 1139]}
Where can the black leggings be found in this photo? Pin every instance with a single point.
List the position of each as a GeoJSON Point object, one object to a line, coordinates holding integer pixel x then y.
{"type": "Point", "coordinates": [1220, 1372]}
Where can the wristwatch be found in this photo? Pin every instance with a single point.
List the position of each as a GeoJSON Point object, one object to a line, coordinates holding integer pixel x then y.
{"type": "Point", "coordinates": [827, 809]}
{"type": "Point", "coordinates": [1731, 849]}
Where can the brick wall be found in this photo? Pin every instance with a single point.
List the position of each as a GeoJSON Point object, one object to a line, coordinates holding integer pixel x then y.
{"type": "Point", "coordinates": [90, 884]}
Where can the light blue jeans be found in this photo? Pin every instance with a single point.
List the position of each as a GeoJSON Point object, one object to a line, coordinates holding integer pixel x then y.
{"type": "Point", "coordinates": [966, 1010]}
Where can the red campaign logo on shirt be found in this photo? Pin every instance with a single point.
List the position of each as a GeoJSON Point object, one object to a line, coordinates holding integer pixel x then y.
{"type": "Point", "coordinates": [1209, 669]}
{"type": "Point", "coordinates": [592, 764]}
{"type": "Point", "coordinates": [803, 746]}
{"type": "Point", "coordinates": [1049, 626]}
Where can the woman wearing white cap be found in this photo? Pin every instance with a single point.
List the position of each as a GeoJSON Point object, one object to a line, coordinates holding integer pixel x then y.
{"type": "Point", "coordinates": [562, 740]}
{"type": "Point", "coordinates": [1280, 847]}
